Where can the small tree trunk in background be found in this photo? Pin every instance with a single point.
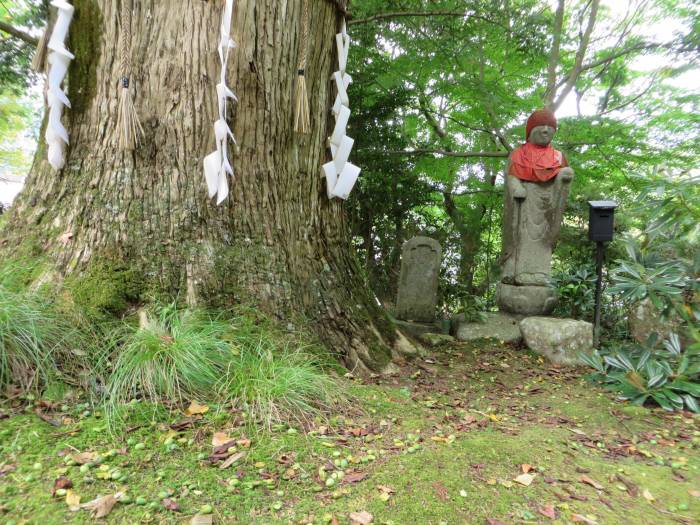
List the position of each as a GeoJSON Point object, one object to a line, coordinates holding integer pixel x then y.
{"type": "Point", "coordinates": [277, 243]}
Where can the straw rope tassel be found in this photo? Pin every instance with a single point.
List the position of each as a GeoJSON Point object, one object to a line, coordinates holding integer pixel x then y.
{"type": "Point", "coordinates": [39, 59]}
{"type": "Point", "coordinates": [129, 127]}
{"type": "Point", "coordinates": [302, 120]}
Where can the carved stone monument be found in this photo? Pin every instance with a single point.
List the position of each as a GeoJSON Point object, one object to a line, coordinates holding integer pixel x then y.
{"type": "Point", "coordinates": [420, 267]}
{"type": "Point", "coordinates": [537, 186]}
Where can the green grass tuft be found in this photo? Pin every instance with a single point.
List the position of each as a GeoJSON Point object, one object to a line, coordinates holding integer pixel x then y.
{"type": "Point", "coordinates": [188, 355]}
{"type": "Point", "coordinates": [176, 356]}
{"type": "Point", "coordinates": [276, 384]}
{"type": "Point", "coordinates": [30, 332]}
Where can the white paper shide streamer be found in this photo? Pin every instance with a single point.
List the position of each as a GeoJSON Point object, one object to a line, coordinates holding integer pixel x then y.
{"type": "Point", "coordinates": [341, 174]}
{"type": "Point", "coordinates": [216, 165]}
{"type": "Point", "coordinates": [59, 59]}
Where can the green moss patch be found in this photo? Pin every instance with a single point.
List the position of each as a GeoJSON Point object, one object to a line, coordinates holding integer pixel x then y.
{"type": "Point", "coordinates": [445, 441]}
{"type": "Point", "coordinates": [106, 288]}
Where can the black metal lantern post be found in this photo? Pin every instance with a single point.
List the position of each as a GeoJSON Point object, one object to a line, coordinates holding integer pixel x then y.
{"type": "Point", "coordinates": [601, 220]}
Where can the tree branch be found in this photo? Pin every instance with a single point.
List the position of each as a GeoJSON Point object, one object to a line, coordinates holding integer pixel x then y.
{"type": "Point", "coordinates": [580, 55]}
{"type": "Point", "coordinates": [18, 33]}
{"type": "Point", "coordinates": [447, 153]}
{"type": "Point", "coordinates": [405, 14]}
{"type": "Point", "coordinates": [550, 93]}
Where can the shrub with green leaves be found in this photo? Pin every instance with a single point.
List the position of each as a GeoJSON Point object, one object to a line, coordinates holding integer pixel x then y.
{"type": "Point", "coordinates": [575, 291]}
{"type": "Point", "coordinates": [663, 257]}
{"type": "Point", "coordinates": [665, 374]}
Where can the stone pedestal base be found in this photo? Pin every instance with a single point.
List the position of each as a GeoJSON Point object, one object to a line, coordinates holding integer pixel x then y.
{"type": "Point", "coordinates": [497, 325]}
{"type": "Point", "coordinates": [526, 300]}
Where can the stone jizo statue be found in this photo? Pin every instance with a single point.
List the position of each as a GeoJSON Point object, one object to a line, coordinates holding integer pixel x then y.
{"type": "Point", "coordinates": [537, 185]}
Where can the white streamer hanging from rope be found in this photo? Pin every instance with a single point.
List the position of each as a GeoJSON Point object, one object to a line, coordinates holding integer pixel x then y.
{"type": "Point", "coordinates": [216, 165]}
{"type": "Point", "coordinates": [59, 59]}
{"type": "Point", "coordinates": [340, 174]}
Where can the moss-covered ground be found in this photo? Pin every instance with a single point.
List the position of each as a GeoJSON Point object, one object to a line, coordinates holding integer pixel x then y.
{"type": "Point", "coordinates": [482, 434]}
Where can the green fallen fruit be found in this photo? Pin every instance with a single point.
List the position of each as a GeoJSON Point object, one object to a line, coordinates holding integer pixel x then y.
{"type": "Point", "coordinates": [139, 446]}
{"type": "Point", "coordinates": [61, 492]}
{"type": "Point", "coordinates": [206, 509]}
{"type": "Point", "coordinates": [125, 499]}
{"type": "Point", "coordinates": [141, 500]}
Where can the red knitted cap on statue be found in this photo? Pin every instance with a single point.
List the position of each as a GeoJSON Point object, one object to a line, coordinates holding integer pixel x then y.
{"type": "Point", "coordinates": [541, 117]}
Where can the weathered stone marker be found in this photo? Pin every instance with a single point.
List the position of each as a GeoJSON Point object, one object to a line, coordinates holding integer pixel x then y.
{"type": "Point", "coordinates": [420, 267]}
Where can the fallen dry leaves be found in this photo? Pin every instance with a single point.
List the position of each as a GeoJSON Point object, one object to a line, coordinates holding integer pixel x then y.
{"type": "Point", "coordinates": [590, 481]}
{"type": "Point", "coordinates": [61, 482]}
{"type": "Point", "coordinates": [7, 468]}
{"type": "Point", "coordinates": [525, 479]}
{"type": "Point", "coordinates": [195, 409]}
{"type": "Point", "coordinates": [84, 457]}
{"type": "Point", "coordinates": [579, 518]}
{"type": "Point", "coordinates": [441, 491]}
{"type": "Point", "coordinates": [355, 477]}
{"type": "Point", "coordinates": [548, 512]}
{"type": "Point", "coordinates": [385, 492]}
{"type": "Point", "coordinates": [231, 460]}
{"type": "Point", "coordinates": [102, 505]}
{"type": "Point", "coordinates": [361, 518]}
{"type": "Point", "coordinates": [72, 500]}
{"type": "Point", "coordinates": [219, 439]}
{"type": "Point", "coordinates": [202, 519]}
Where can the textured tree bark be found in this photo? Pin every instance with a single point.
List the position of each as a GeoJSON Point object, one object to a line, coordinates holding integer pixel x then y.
{"type": "Point", "coordinates": [277, 242]}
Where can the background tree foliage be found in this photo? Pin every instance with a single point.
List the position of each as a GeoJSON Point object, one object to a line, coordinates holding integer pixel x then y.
{"type": "Point", "coordinates": [442, 92]}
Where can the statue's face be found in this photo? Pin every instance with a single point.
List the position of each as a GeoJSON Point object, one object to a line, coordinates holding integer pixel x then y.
{"type": "Point", "coordinates": [541, 135]}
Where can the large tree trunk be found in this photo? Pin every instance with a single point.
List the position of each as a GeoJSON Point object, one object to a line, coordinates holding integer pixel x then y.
{"type": "Point", "coordinates": [277, 242]}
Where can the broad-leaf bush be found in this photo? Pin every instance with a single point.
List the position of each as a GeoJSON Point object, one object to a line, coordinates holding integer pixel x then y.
{"type": "Point", "coordinates": [663, 267]}
{"type": "Point", "coordinates": [665, 374]}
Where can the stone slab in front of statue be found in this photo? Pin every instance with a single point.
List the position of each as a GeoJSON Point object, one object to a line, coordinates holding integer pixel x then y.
{"type": "Point", "coordinates": [525, 300]}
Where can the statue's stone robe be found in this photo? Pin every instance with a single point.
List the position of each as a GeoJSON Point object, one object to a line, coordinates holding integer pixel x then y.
{"type": "Point", "coordinates": [530, 231]}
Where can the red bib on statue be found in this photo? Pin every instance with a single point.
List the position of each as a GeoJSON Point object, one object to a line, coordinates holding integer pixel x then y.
{"type": "Point", "coordinates": [533, 163]}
